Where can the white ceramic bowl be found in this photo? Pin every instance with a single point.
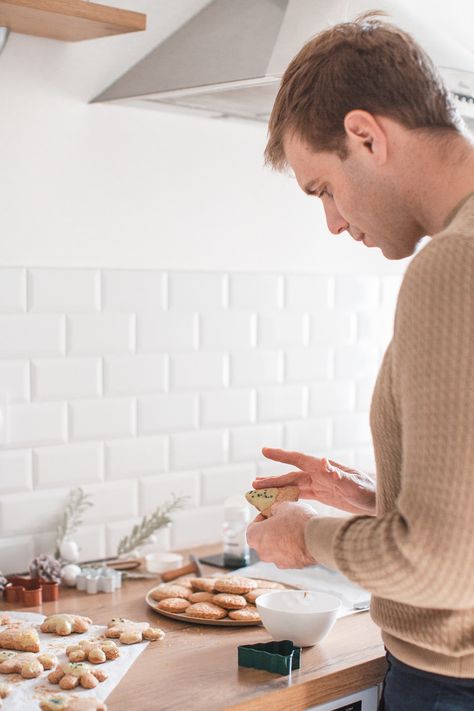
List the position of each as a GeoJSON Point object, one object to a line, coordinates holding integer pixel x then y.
{"type": "Point", "coordinates": [159, 562]}
{"type": "Point", "coordinates": [303, 616]}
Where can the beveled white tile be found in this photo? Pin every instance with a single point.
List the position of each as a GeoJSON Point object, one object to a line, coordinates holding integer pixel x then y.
{"type": "Point", "coordinates": [256, 292]}
{"type": "Point", "coordinates": [168, 412]}
{"type": "Point", "coordinates": [100, 334]}
{"type": "Point", "coordinates": [246, 442]}
{"type": "Point", "coordinates": [63, 290]}
{"type": "Point", "coordinates": [256, 367]}
{"type": "Point", "coordinates": [133, 290]}
{"type": "Point", "coordinates": [134, 375]}
{"type": "Point", "coordinates": [196, 290]}
{"type": "Point", "coordinates": [227, 330]}
{"type": "Point", "coordinates": [220, 482]}
{"type": "Point", "coordinates": [311, 436]}
{"type": "Point", "coordinates": [283, 402]}
{"type": "Point", "coordinates": [332, 328]}
{"type": "Point", "coordinates": [192, 371]}
{"type": "Point", "coordinates": [140, 456]}
{"type": "Point", "coordinates": [352, 429]}
{"type": "Point", "coordinates": [14, 380]}
{"type": "Point", "coordinates": [28, 334]}
{"type": "Point", "coordinates": [357, 292]}
{"type": "Point", "coordinates": [195, 449]}
{"type": "Point", "coordinates": [98, 419]}
{"type": "Point", "coordinates": [70, 464]}
{"type": "Point", "coordinates": [159, 490]}
{"type": "Point", "coordinates": [306, 364]}
{"type": "Point", "coordinates": [360, 361]}
{"type": "Point", "coordinates": [36, 424]}
{"type": "Point", "coordinates": [15, 471]}
{"type": "Point", "coordinates": [197, 527]}
{"type": "Point", "coordinates": [308, 292]}
{"type": "Point", "coordinates": [12, 290]}
{"type": "Point", "coordinates": [227, 407]}
{"type": "Point", "coordinates": [282, 329]}
{"type": "Point", "coordinates": [167, 332]}
{"type": "Point", "coordinates": [62, 378]}
{"type": "Point", "coordinates": [330, 396]}
{"type": "Point", "coordinates": [16, 554]}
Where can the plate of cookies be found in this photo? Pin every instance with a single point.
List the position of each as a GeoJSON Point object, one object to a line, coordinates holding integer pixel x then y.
{"type": "Point", "coordinates": [228, 600]}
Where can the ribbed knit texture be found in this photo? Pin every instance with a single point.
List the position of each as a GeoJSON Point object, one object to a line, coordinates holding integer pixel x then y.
{"type": "Point", "coordinates": [416, 556]}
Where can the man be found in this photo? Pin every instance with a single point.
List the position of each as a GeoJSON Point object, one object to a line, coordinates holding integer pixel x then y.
{"type": "Point", "coordinates": [367, 126]}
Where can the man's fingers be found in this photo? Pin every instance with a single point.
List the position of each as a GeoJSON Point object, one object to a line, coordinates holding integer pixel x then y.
{"type": "Point", "coordinates": [296, 459]}
{"type": "Point", "coordinates": [283, 480]}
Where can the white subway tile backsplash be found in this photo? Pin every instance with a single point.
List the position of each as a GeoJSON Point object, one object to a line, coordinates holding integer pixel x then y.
{"type": "Point", "coordinates": [257, 292]}
{"type": "Point", "coordinates": [306, 364]}
{"type": "Point", "coordinates": [375, 327]}
{"type": "Point", "coordinates": [138, 374]}
{"type": "Point", "coordinates": [136, 384]}
{"type": "Point", "coordinates": [192, 371]}
{"type": "Point", "coordinates": [68, 465]}
{"type": "Point", "coordinates": [36, 424]}
{"type": "Point", "coordinates": [218, 483]}
{"type": "Point", "coordinates": [133, 290]}
{"type": "Point", "coordinates": [15, 472]}
{"type": "Point", "coordinates": [365, 389]}
{"type": "Point", "coordinates": [166, 413]}
{"type": "Point", "coordinates": [282, 329]}
{"type": "Point", "coordinates": [31, 513]}
{"type": "Point", "coordinates": [91, 419]}
{"type": "Point", "coordinates": [58, 379]}
{"type": "Point", "coordinates": [12, 290]}
{"type": "Point", "coordinates": [257, 367]}
{"type": "Point", "coordinates": [358, 361]}
{"type": "Point", "coordinates": [357, 292]}
{"type": "Point", "coordinates": [16, 554]}
{"type": "Point", "coordinates": [196, 291]}
{"type": "Point", "coordinates": [136, 457]}
{"type": "Point", "coordinates": [246, 442]}
{"type": "Point", "coordinates": [227, 407]}
{"type": "Point", "coordinates": [195, 449]}
{"type": "Point", "coordinates": [310, 436]}
{"type": "Point", "coordinates": [119, 529]}
{"type": "Point", "coordinates": [331, 396]}
{"type": "Point", "coordinates": [100, 334]}
{"type": "Point", "coordinates": [352, 429]}
{"type": "Point", "coordinates": [26, 334]}
{"type": "Point", "coordinates": [14, 380]}
{"type": "Point", "coordinates": [159, 490]}
{"type": "Point", "coordinates": [308, 292]}
{"type": "Point", "coordinates": [63, 290]}
{"type": "Point", "coordinates": [112, 500]}
{"type": "Point", "coordinates": [282, 402]}
{"type": "Point", "coordinates": [167, 332]}
{"type": "Point", "coordinates": [197, 527]}
{"type": "Point", "coordinates": [227, 330]}
{"type": "Point", "coordinates": [332, 328]}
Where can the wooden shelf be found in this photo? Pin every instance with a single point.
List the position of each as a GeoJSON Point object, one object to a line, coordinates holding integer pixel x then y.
{"type": "Point", "coordinates": [69, 20]}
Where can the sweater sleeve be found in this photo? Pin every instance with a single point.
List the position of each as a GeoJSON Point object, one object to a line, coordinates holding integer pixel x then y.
{"type": "Point", "coordinates": [421, 552]}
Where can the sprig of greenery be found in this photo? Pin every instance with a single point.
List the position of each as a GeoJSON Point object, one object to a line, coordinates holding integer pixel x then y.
{"type": "Point", "coordinates": [149, 524]}
{"type": "Point", "coordinates": [71, 519]}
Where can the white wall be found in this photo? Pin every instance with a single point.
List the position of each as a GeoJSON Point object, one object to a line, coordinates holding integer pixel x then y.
{"type": "Point", "coordinates": [84, 184]}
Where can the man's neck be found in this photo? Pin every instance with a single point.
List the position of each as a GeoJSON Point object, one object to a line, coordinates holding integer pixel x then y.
{"type": "Point", "coordinates": [441, 180]}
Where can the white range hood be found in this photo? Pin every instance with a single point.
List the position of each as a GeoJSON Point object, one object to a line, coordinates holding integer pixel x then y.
{"type": "Point", "coordinates": [228, 59]}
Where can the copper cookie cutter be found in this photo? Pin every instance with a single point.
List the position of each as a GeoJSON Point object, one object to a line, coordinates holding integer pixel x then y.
{"type": "Point", "coordinates": [30, 592]}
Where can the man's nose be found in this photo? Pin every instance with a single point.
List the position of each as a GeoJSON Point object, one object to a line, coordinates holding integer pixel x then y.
{"type": "Point", "coordinates": [335, 222]}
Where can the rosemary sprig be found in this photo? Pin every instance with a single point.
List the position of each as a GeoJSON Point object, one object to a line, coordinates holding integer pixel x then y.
{"type": "Point", "coordinates": [71, 519]}
{"type": "Point", "coordinates": [149, 524]}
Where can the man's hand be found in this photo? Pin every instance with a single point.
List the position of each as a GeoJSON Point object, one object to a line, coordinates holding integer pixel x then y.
{"type": "Point", "coordinates": [323, 480]}
{"type": "Point", "coordinates": [280, 538]}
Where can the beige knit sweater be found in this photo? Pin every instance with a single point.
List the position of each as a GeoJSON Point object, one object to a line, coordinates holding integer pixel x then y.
{"type": "Point", "coordinates": [416, 556]}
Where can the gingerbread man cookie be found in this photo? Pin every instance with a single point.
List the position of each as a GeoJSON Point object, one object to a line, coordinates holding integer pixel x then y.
{"type": "Point", "coordinates": [95, 651]}
{"type": "Point", "coordinates": [64, 624]}
{"type": "Point", "coordinates": [28, 665]}
{"type": "Point", "coordinates": [71, 674]}
{"type": "Point", "coordinates": [129, 632]}
{"type": "Point", "coordinates": [71, 703]}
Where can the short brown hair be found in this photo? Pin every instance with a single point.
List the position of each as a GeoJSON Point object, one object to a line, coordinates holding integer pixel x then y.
{"type": "Point", "coordinates": [365, 64]}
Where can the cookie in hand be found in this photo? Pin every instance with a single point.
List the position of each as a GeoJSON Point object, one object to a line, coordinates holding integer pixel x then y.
{"type": "Point", "coordinates": [263, 499]}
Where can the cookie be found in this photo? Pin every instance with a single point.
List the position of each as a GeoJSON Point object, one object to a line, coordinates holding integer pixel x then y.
{"type": "Point", "coordinates": [173, 604]}
{"type": "Point", "coordinates": [201, 597]}
{"type": "Point", "coordinates": [235, 585]}
{"type": "Point", "coordinates": [166, 590]}
{"type": "Point", "coordinates": [206, 611]}
{"type": "Point", "coordinates": [229, 601]}
{"type": "Point", "coordinates": [64, 624]}
{"type": "Point", "coordinates": [253, 594]}
{"type": "Point", "coordinates": [203, 584]}
{"type": "Point", "coordinates": [246, 614]}
{"type": "Point", "coordinates": [263, 499]}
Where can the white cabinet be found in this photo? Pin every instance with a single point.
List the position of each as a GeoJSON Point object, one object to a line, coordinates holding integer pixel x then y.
{"type": "Point", "coordinates": [365, 700]}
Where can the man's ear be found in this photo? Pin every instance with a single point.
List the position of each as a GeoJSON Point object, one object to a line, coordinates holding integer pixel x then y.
{"type": "Point", "coordinates": [364, 133]}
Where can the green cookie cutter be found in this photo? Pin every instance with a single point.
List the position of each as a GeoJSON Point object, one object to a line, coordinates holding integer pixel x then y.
{"type": "Point", "coordinates": [276, 657]}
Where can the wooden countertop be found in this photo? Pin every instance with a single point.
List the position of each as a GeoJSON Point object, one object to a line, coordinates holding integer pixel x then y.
{"type": "Point", "coordinates": [195, 667]}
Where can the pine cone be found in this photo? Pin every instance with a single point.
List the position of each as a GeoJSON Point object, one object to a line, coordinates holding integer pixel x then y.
{"type": "Point", "coordinates": [46, 568]}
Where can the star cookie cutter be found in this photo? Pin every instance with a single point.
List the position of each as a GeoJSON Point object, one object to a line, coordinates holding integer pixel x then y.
{"type": "Point", "coordinates": [30, 592]}
{"type": "Point", "coordinates": [276, 657]}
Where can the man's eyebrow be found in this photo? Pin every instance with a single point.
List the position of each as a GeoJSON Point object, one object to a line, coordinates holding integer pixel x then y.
{"type": "Point", "coordinates": [309, 187]}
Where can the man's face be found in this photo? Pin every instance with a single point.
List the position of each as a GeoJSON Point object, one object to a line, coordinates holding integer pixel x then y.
{"type": "Point", "coordinates": [358, 196]}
